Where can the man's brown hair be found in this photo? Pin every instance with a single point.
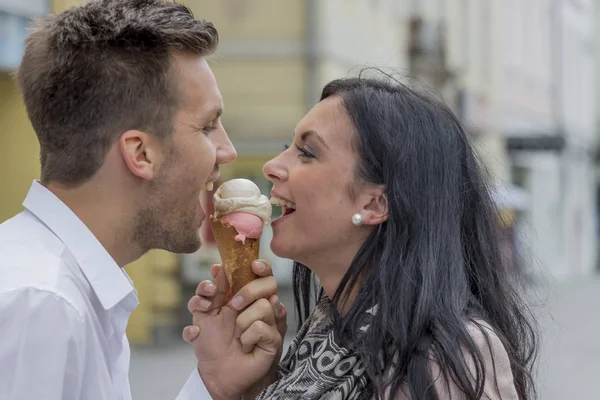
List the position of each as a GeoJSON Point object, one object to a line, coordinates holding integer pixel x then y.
{"type": "Point", "coordinates": [92, 72]}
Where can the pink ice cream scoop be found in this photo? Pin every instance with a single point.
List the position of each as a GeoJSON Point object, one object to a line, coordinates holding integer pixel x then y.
{"type": "Point", "coordinates": [247, 225]}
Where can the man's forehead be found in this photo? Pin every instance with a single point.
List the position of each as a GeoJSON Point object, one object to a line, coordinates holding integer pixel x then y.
{"type": "Point", "coordinates": [209, 111]}
{"type": "Point", "coordinates": [197, 80]}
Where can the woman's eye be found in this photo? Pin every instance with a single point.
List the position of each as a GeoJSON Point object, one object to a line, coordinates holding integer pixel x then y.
{"type": "Point", "coordinates": [305, 152]}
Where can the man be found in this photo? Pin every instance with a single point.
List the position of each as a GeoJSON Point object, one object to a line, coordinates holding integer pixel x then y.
{"type": "Point", "coordinates": [127, 114]}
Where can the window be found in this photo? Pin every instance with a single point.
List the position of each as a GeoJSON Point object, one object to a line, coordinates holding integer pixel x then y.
{"type": "Point", "coordinates": [465, 28]}
{"type": "Point", "coordinates": [25, 8]}
{"type": "Point", "coordinates": [13, 30]}
{"type": "Point", "coordinates": [485, 41]}
{"type": "Point", "coordinates": [416, 7]}
{"type": "Point", "coordinates": [15, 17]}
{"type": "Point", "coordinates": [441, 9]}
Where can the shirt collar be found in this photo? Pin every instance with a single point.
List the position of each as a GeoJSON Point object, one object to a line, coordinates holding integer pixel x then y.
{"type": "Point", "coordinates": [110, 283]}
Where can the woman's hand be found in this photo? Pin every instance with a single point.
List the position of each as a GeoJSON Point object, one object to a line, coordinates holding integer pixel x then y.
{"type": "Point", "coordinates": [236, 350]}
{"type": "Point", "coordinates": [211, 295]}
{"type": "Point", "coordinates": [238, 344]}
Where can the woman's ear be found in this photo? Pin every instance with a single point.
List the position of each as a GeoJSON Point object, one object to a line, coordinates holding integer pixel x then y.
{"type": "Point", "coordinates": [375, 206]}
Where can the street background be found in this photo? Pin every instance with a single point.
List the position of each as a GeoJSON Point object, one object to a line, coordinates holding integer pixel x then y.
{"type": "Point", "coordinates": [522, 75]}
{"type": "Point", "coordinates": [568, 366]}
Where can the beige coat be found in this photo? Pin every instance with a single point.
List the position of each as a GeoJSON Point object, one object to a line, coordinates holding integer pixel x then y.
{"type": "Point", "coordinates": [494, 356]}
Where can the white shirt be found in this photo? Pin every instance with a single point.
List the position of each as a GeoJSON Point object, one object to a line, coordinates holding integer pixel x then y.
{"type": "Point", "coordinates": [64, 308]}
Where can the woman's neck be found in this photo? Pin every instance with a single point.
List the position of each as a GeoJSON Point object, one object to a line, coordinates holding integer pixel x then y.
{"type": "Point", "coordinates": [330, 269]}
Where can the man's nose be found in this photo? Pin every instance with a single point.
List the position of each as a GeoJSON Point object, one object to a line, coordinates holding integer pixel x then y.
{"type": "Point", "coordinates": [225, 151]}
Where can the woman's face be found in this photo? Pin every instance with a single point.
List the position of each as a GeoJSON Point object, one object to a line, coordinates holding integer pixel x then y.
{"type": "Point", "coordinates": [316, 175]}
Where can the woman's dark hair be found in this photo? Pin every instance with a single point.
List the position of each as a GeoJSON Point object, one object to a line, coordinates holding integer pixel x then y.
{"type": "Point", "coordinates": [435, 266]}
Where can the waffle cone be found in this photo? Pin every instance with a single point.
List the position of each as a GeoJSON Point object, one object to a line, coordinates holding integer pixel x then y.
{"type": "Point", "coordinates": [236, 257]}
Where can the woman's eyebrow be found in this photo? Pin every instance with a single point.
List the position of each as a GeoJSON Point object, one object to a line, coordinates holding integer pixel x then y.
{"type": "Point", "coordinates": [308, 134]}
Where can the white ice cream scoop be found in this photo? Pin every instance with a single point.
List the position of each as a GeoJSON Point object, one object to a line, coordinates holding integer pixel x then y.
{"type": "Point", "coordinates": [241, 195]}
{"type": "Point", "coordinates": [241, 188]}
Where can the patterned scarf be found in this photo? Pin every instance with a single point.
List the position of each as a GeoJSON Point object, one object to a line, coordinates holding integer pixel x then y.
{"type": "Point", "coordinates": [316, 366]}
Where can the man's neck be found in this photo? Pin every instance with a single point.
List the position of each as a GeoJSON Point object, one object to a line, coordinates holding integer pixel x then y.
{"type": "Point", "coordinates": [105, 215]}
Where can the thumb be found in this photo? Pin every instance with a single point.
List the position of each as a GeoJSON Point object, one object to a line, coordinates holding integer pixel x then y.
{"type": "Point", "coordinates": [190, 333]}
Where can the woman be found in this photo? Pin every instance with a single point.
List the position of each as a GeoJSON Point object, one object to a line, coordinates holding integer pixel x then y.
{"type": "Point", "coordinates": [386, 206]}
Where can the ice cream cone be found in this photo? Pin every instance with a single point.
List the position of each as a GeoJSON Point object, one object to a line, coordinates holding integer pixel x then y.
{"type": "Point", "coordinates": [236, 257]}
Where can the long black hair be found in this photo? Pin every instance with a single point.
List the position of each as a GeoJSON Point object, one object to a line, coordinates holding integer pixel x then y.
{"type": "Point", "coordinates": [435, 265]}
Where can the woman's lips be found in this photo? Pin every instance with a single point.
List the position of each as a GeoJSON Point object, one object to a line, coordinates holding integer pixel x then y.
{"type": "Point", "coordinates": [283, 217]}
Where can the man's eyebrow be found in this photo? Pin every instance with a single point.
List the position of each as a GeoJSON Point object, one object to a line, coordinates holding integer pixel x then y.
{"type": "Point", "coordinates": [308, 134]}
{"type": "Point", "coordinates": [211, 115]}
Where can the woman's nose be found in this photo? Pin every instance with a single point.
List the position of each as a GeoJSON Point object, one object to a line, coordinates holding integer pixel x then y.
{"type": "Point", "coordinates": [274, 170]}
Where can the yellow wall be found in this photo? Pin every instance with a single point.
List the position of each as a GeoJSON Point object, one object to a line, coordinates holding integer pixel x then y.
{"type": "Point", "coordinates": [259, 64]}
{"type": "Point", "coordinates": [19, 162]}
{"type": "Point", "coordinates": [263, 98]}
{"type": "Point", "coordinates": [250, 20]}
{"type": "Point", "coordinates": [159, 293]}
{"type": "Point", "coordinates": [59, 5]}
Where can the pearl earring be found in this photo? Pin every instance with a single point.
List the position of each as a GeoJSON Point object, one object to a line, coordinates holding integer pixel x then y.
{"type": "Point", "coordinates": [357, 219]}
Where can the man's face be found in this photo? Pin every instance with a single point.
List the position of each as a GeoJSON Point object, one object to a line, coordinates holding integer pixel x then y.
{"type": "Point", "coordinates": [172, 214]}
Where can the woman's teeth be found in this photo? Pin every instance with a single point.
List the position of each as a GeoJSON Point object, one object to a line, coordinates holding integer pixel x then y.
{"type": "Point", "coordinates": [282, 203]}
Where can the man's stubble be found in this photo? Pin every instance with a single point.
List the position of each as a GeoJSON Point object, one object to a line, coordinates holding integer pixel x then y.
{"type": "Point", "coordinates": [167, 217]}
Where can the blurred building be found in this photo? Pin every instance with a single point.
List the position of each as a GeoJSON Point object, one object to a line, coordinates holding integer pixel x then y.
{"type": "Point", "coordinates": [577, 75]}
{"type": "Point", "coordinates": [597, 105]}
{"type": "Point", "coordinates": [548, 82]}
{"type": "Point", "coordinates": [455, 48]}
{"type": "Point", "coordinates": [526, 110]}
{"type": "Point", "coordinates": [274, 57]}
{"type": "Point", "coordinates": [521, 75]}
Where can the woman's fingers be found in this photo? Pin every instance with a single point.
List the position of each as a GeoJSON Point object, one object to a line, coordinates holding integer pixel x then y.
{"type": "Point", "coordinates": [262, 268]}
{"type": "Point", "coordinates": [190, 333]}
{"type": "Point", "coordinates": [211, 295]}
{"type": "Point", "coordinates": [280, 312]}
{"type": "Point", "coordinates": [207, 289]}
{"type": "Point", "coordinates": [261, 288]}
{"type": "Point", "coordinates": [260, 310]}
{"type": "Point", "coordinates": [214, 270]}
{"type": "Point", "coordinates": [198, 303]}
{"type": "Point", "coordinates": [214, 294]}
{"type": "Point", "coordinates": [257, 300]}
{"type": "Point", "coordinates": [263, 336]}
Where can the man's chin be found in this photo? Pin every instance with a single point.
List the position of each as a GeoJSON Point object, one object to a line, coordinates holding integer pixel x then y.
{"type": "Point", "coordinates": [188, 246]}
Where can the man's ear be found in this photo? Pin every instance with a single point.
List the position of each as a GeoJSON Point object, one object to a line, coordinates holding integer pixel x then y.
{"type": "Point", "coordinates": [375, 206]}
{"type": "Point", "coordinates": [140, 153]}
